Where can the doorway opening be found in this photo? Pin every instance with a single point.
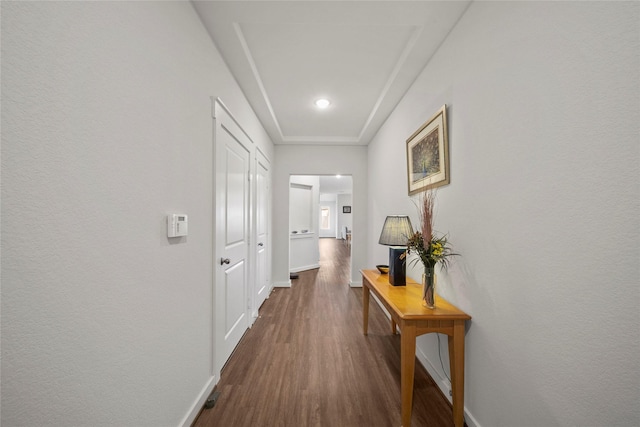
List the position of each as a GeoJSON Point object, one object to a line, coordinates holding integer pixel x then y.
{"type": "Point", "coordinates": [319, 208]}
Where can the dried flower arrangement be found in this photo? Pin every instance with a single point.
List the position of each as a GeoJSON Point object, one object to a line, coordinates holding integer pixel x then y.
{"type": "Point", "coordinates": [429, 247]}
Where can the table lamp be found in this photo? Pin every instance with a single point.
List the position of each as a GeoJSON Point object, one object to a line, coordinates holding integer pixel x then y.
{"type": "Point", "coordinates": [395, 233]}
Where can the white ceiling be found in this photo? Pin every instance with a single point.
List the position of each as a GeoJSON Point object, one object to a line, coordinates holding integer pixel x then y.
{"type": "Point", "coordinates": [361, 55]}
{"type": "Point", "coordinates": [336, 185]}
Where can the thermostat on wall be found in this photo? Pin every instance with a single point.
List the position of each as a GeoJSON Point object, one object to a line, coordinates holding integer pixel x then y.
{"type": "Point", "coordinates": [177, 225]}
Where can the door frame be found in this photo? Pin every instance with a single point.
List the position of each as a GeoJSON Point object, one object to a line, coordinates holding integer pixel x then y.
{"type": "Point", "coordinates": [216, 365]}
{"type": "Point", "coordinates": [261, 158]}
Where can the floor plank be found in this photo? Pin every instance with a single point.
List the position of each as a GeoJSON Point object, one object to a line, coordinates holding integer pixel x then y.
{"type": "Point", "coordinates": [305, 361]}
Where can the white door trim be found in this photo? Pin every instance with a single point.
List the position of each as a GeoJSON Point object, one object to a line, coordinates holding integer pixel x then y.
{"type": "Point", "coordinates": [240, 269]}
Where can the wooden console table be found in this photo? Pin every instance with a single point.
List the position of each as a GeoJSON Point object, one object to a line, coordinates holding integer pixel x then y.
{"type": "Point", "coordinates": [405, 305]}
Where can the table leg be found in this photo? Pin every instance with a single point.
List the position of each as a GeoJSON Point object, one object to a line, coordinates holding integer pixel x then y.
{"type": "Point", "coordinates": [393, 327]}
{"type": "Point", "coordinates": [365, 308]}
{"type": "Point", "coordinates": [456, 366]}
{"type": "Point", "coordinates": [407, 369]}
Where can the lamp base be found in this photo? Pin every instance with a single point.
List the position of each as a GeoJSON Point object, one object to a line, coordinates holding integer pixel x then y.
{"type": "Point", "coordinates": [397, 268]}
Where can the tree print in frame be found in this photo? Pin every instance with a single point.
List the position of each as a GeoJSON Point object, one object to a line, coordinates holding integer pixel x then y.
{"type": "Point", "coordinates": [428, 154]}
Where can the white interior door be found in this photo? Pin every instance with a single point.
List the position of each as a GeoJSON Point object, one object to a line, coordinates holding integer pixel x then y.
{"type": "Point", "coordinates": [232, 166]}
{"type": "Point", "coordinates": [262, 232]}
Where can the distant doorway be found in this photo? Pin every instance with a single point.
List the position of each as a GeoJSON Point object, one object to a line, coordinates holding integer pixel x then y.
{"type": "Point", "coordinates": [335, 206]}
{"type": "Point", "coordinates": [319, 207]}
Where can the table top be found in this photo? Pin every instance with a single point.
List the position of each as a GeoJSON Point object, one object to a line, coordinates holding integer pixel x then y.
{"type": "Point", "coordinates": [406, 301]}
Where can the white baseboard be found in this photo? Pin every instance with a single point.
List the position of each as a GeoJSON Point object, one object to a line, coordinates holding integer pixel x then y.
{"type": "Point", "coordinates": [199, 403]}
{"type": "Point", "coordinates": [304, 268]}
{"type": "Point", "coordinates": [286, 284]}
{"type": "Point", "coordinates": [356, 284]}
{"type": "Point", "coordinates": [444, 385]}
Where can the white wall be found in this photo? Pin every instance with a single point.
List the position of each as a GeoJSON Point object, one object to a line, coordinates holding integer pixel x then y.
{"type": "Point", "coordinates": [318, 160]}
{"type": "Point", "coordinates": [330, 201]}
{"type": "Point", "coordinates": [344, 219]}
{"type": "Point", "coordinates": [304, 250]}
{"type": "Point", "coordinates": [301, 208]}
{"type": "Point", "coordinates": [106, 128]}
{"type": "Point", "coordinates": [543, 206]}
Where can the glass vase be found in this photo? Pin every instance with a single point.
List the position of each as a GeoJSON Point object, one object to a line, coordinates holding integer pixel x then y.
{"type": "Point", "coordinates": [429, 287]}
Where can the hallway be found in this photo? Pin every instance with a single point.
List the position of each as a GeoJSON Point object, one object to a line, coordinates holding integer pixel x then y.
{"type": "Point", "coordinates": [305, 361]}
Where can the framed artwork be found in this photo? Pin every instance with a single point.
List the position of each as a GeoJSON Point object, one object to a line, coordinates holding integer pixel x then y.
{"type": "Point", "coordinates": [428, 154]}
{"type": "Point", "coordinates": [346, 209]}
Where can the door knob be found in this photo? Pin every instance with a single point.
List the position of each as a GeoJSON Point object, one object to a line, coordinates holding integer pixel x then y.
{"type": "Point", "coordinates": [224, 261]}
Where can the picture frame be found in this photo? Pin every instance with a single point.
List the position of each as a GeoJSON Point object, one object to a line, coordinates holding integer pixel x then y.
{"type": "Point", "coordinates": [428, 154]}
{"type": "Point", "coordinates": [346, 209]}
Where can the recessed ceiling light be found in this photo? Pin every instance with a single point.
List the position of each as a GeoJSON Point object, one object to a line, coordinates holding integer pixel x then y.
{"type": "Point", "coordinates": [322, 103]}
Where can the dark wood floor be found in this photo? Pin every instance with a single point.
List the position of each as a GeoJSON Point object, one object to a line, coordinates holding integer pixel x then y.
{"type": "Point", "coordinates": [305, 361]}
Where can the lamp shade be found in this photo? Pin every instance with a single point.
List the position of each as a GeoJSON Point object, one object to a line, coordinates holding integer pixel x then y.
{"type": "Point", "coordinates": [396, 231]}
